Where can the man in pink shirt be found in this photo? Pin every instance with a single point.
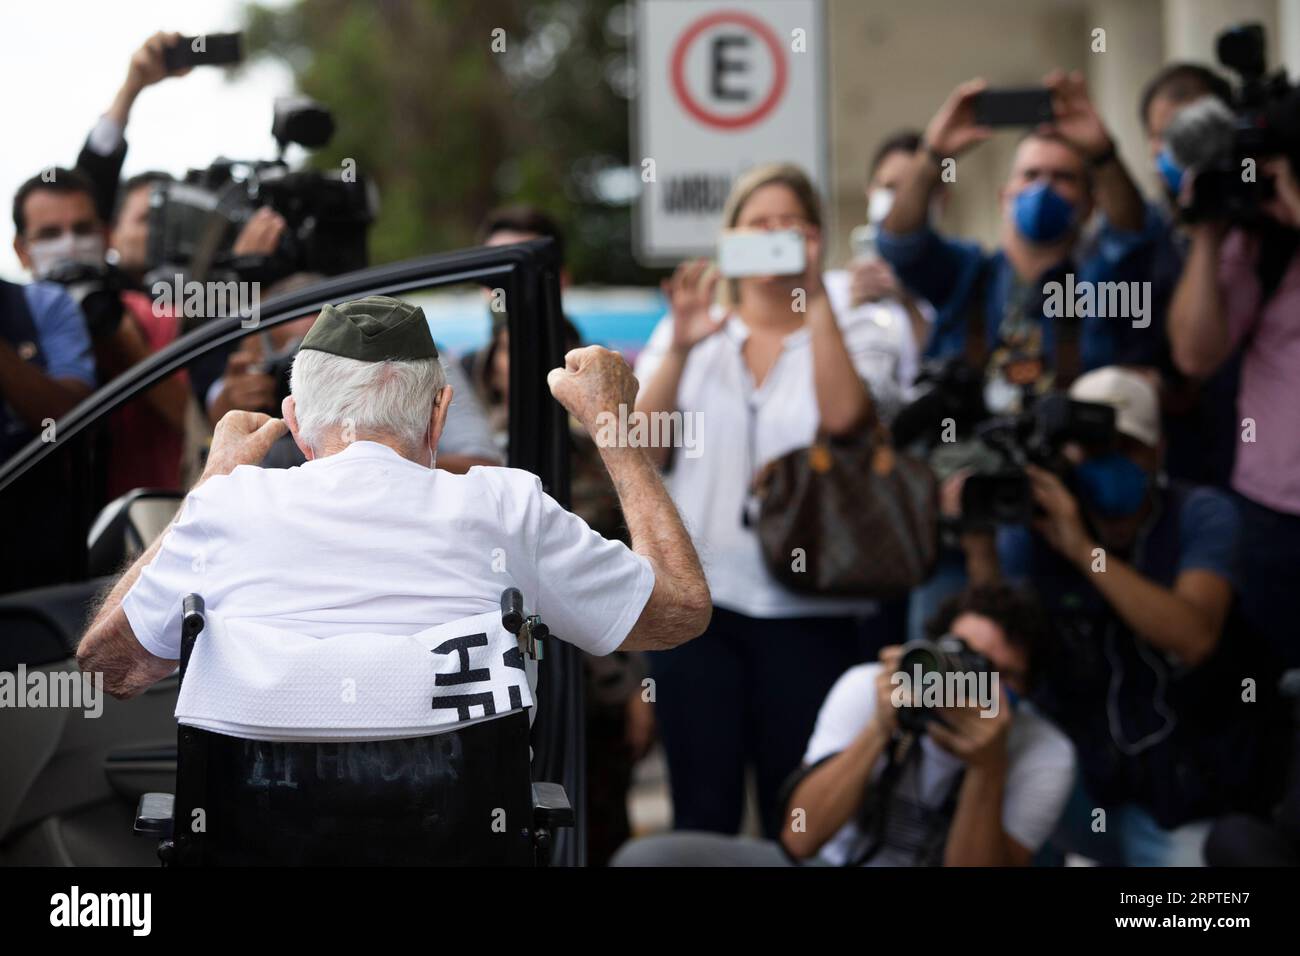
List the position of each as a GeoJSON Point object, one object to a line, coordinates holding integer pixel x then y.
{"type": "Point", "coordinates": [1241, 290]}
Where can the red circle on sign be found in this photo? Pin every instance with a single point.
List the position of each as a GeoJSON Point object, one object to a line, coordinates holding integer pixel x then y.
{"type": "Point", "coordinates": [708, 117]}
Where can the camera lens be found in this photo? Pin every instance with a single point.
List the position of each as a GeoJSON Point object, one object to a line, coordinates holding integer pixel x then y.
{"type": "Point", "coordinates": [924, 657]}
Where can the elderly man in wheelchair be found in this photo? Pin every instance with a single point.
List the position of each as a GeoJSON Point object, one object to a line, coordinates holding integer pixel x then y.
{"type": "Point", "coordinates": [356, 656]}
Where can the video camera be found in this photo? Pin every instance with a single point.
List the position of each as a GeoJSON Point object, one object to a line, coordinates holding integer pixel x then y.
{"type": "Point", "coordinates": [1034, 437]}
{"type": "Point", "coordinates": [193, 223]}
{"type": "Point", "coordinates": [1217, 141]}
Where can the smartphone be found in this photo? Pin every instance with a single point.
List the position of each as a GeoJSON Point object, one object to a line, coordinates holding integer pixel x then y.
{"type": "Point", "coordinates": [212, 49]}
{"type": "Point", "coordinates": [1020, 107]}
{"type": "Point", "coordinates": [759, 253]}
{"type": "Point", "coordinates": [862, 241]}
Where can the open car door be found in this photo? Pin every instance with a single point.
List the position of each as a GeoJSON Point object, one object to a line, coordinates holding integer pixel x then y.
{"type": "Point", "coordinates": [69, 782]}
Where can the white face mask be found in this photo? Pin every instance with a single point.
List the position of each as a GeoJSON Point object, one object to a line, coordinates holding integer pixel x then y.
{"type": "Point", "coordinates": [879, 203]}
{"type": "Point", "coordinates": [67, 246]}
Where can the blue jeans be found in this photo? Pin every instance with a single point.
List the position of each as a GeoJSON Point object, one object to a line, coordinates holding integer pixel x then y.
{"type": "Point", "coordinates": [1131, 837]}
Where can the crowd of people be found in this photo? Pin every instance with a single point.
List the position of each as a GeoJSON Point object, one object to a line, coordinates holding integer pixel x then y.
{"type": "Point", "coordinates": [1140, 617]}
{"type": "Point", "coordinates": [1138, 613]}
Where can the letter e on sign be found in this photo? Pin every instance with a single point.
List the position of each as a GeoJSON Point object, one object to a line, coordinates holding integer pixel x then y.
{"type": "Point", "coordinates": [729, 70]}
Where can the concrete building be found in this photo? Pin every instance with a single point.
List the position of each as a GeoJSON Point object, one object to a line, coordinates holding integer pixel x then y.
{"type": "Point", "coordinates": [894, 61]}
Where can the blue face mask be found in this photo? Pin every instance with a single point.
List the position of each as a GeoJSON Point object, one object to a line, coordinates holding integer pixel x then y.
{"type": "Point", "coordinates": [1041, 214]}
{"type": "Point", "coordinates": [1169, 171]}
{"type": "Point", "coordinates": [1113, 486]}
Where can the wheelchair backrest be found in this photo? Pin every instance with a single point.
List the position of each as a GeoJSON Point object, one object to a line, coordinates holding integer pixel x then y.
{"type": "Point", "coordinates": [460, 797]}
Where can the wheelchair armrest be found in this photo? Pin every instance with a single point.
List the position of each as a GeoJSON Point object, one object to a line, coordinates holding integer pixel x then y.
{"type": "Point", "coordinates": [153, 815]}
{"type": "Point", "coordinates": [551, 807]}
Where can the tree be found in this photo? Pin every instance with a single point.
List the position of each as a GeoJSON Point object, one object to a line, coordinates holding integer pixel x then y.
{"type": "Point", "coordinates": [454, 107]}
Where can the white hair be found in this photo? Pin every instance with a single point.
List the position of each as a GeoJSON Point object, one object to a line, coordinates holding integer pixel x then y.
{"type": "Point", "coordinates": [393, 398]}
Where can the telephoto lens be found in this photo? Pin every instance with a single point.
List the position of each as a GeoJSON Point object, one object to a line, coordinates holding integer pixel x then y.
{"type": "Point", "coordinates": [927, 664]}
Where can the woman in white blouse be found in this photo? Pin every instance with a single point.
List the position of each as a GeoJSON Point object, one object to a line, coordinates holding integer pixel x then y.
{"type": "Point", "coordinates": [759, 378]}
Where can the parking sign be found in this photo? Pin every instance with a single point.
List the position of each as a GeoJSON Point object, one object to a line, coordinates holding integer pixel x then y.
{"type": "Point", "coordinates": [721, 87]}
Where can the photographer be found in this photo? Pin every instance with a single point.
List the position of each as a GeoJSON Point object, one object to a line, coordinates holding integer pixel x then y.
{"type": "Point", "coordinates": [46, 363]}
{"type": "Point", "coordinates": [1060, 172]}
{"type": "Point", "coordinates": [1239, 293]}
{"type": "Point", "coordinates": [57, 227]}
{"type": "Point", "coordinates": [972, 789]}
{"type": "Point", "coordinates": [126, 206]}
{"type": "Point", "coordinates": [991, 332]}
{"type": "Point", "coordinates": [1169, 700]}
{"type": "Point", "coordinates": [1199, 416]}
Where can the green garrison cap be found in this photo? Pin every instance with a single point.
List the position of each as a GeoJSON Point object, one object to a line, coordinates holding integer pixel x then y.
{"type": "Point", "coordinates": [371, 330]}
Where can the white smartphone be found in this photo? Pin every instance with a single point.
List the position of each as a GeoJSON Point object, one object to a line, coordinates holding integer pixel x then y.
{"type": "Point", "coordinates": [759, 253]}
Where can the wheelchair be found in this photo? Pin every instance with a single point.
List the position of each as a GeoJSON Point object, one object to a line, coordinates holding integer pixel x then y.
{"type": "Point", "coordinates": [461, 797]}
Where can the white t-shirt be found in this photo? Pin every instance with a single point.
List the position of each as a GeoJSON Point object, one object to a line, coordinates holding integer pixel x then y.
{"type": "Point", "coordinates": [368, 541]}
{"type": "Point", "coordinates": [711, 489]}
{"type": "Point", "coordinates": [1040, 774]}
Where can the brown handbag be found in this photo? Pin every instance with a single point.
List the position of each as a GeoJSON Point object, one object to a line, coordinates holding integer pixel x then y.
{"type": "Point", "coordinates": [862, 517]}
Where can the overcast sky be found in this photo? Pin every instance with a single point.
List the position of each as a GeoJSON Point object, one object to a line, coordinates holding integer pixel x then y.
{"type": "Point", "coordinates": [61, 62]}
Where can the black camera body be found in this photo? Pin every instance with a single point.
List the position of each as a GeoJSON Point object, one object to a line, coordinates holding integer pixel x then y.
{"type": "Point", "coordinates": [920, 658]}
{"type": "Point", "coordinates": [97, 289]}
{"type": "Point", "coordinates": [956, 392]}
{"type": "Point", "coordinates": [193, 223]}
{"type": "Point", "coordinates": [1034, 437]}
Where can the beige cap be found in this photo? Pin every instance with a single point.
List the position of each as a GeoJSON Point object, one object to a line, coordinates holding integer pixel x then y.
{"type": "Point", "coordinates": [1137, 407]}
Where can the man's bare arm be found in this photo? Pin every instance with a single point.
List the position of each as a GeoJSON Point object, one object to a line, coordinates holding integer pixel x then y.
{"type": "Point", "coordinates": [1198, 325]}
{"type": "Point", "coordinates": [109, 646]}
{"type": "Point", "coordinates": [680, 606]}
{"type": "Point", "coordinates": [593, 383]}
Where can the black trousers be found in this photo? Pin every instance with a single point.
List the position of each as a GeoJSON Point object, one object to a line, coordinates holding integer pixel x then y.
{"type": "Point", "coordinates": [745, 693]}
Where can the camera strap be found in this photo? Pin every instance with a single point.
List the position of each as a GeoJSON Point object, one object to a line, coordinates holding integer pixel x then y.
{"type": "Point", "coordinates": [975, 348]}
{"type": "Point", "coordinates": [873, 818]}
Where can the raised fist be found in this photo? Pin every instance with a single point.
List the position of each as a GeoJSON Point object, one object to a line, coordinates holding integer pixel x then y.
{"type": "Point", "coordinates": [242, 438]}
{"type": "Point", "coordinates": [593, 380]}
